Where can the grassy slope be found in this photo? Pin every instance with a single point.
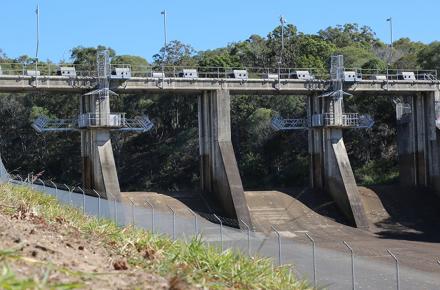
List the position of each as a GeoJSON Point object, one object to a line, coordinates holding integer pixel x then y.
{"type": "Point", "coordinates": [192, 262]}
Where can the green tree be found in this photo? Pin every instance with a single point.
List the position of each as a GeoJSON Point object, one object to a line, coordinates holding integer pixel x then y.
{"type": "Point", "coordinates": [175, 53]}
{"type": "Point", "coordinates": [348, 34]}
{"type": "Point", "coordinates": [87, 55]}
{"type": "Point", "coordinates": [429, 57]}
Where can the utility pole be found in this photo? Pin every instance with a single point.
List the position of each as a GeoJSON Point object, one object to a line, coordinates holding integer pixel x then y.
{"type": "Point", "coordinates": [280, 61]}
{"type": "Point", "coordinates": [164, 13]}
{"type": "Point", "coordinates": [390, 20]}
{"type": "Point", "coordinates": [37, 11]}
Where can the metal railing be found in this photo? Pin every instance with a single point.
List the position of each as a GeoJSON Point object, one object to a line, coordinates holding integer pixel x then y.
{"type": "Point", "coordinates": [278, 123]}
{"type": "Point", "coordinates": [350, 120]}
{"type": "Point", "coordinates": [394, 74]}
{"type": "Point", "coordinates": [45, 124]}
{"type": "Point", "coordinates": [171, 71]}
{"type": "Point", "coordinates": [90, 120]}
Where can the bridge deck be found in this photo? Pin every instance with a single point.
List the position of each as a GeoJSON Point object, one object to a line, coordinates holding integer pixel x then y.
{"type": "Point", "coordinates": [18, 83]}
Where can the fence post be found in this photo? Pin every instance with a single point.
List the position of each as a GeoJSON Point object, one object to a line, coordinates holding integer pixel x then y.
{"type": "Point", "coordinates": [70, 193]}
{"type": "Point", "coordinates": [195, 221]}
{"type": "Point", "coordinates": [248, 237]}
{"type": "Point", "coordinates": [314, 258]}
{"type": "Point", "coordinates": [132, 212]}
{"type": "Point", "coordinates": [115, 208]}
{"type": "Point", "coordinates": [21, 178]}
{"type": "Point", "coordinates": [221, 231]}
{"type": "Point", "coordinates": [397, 269]}
{"type": "Point", "coordinates": [56, 188]}
{"type": "Point", "coordinates": [279, 245]}
{"type": "Point", "coordinates": [99, 204]}
{"type": "Point", "coordinates": [32, 181]}
{"type": "Point", "coordinates": [42, 182]}
{"type": "Point", "coordinates": [84, 200]}
{"type": "Point", "coordinates": [152, 215]}
{"type": "Point", "coordinates": [174, 222]}
{"type": "Point", "coordinates": [353, 281]}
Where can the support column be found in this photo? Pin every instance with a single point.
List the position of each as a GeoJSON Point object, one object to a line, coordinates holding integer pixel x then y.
{"type": "Point", "coordinates": [219, 170]}
{"type": "Point", "coordinates": [315, 147]}
{"type": "Point", "coordinates": [331, 169]}
{"type": "Point", "coordinates": [99, 169]}
{"type": "Point", "coordinates": [418, 141]}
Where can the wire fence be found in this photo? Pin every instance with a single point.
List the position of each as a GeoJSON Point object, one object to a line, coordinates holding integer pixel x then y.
{"type": "Point", "coordinates": [336, 268]}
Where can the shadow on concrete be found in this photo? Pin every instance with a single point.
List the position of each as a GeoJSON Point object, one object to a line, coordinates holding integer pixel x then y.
{"type": "Point", "coordinates": [402, 213]}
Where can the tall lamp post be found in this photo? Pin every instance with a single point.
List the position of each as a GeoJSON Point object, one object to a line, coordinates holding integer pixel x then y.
{"type": "Point", "coordinates": [280, 61]}
{"type": "Point", "coordinates": [390, 20]}
{"type": "Point", "coordinates": [164, 13]}
{"type": "Point", "coordinates": [37, 11]}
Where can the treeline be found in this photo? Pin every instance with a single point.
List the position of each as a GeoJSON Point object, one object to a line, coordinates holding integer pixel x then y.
{"type": "Point", "coordinates": [166, 158]}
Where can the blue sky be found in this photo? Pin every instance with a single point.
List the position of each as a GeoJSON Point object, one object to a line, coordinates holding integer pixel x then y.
{"type": "Point", "coordinates": [136, 27]}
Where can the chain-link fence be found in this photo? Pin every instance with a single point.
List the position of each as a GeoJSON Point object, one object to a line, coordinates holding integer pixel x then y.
{"type": "Point", "coordinates": [336, 268]}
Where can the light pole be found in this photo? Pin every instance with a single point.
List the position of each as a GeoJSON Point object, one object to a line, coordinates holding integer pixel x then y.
{"type": "Point", "coordinates": [282, 21]}
{"type": "Point", "coordinates": [37, 11]}
{"type": "Point", "coordinates": [164, 13]}
{"type": "Point", "coordinates": [390, 20]}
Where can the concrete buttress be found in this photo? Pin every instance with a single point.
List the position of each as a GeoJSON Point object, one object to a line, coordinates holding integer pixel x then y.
{"type": "Point", "coordinates": [99, 169]}
{"type": "Point", "coordinates": [220, 176]}
{"type": "Point", "coordinates": [330, 167]}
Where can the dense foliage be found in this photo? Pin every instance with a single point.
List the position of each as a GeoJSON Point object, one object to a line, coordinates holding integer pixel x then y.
{"type": "Point", "coordinates": [167, 157]}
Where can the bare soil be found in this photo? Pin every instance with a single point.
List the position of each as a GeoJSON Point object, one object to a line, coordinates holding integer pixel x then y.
{"type": "Point", "coordinates": [66, 255]}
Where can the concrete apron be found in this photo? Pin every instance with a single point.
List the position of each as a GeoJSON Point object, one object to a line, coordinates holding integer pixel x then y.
{"type": "Point", "coordinates": [220, 177]}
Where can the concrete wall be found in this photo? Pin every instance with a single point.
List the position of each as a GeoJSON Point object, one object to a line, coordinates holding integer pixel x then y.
{"type": "Point", "coordinates": [220, 177]}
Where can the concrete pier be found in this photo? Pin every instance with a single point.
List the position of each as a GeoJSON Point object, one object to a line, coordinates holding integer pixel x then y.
{"type": "Point", "coordinates": [330, 168]}
{"type": "Point", "coordinates": [99, 169]}
{"type": "Point", "coordinates": [220, 177]}
{"type": "Point", "coordinates": [418, 141]}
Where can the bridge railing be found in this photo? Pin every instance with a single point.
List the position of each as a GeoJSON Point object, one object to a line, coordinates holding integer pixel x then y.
{"type": "Point", "coordinates": [44, 69]}
{"type": "Point", "coordinates": [394, 74]}
{"type": "Point", "coordinates": [171, 71]}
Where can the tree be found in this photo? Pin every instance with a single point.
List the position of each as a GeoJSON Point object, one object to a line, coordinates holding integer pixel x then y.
{"type": "Point", "coordinates": [348, 34]}
{"type": "Point", "coordinates": [217, 58]}
{"type": "Point", "coordinates": [175, 53]}
{"type": "Point", "coordinates": [313, 52]}
{"type": "Point", "coordinates": [87, 55]}
{"type": "Point", "coordinates": [429, 57]}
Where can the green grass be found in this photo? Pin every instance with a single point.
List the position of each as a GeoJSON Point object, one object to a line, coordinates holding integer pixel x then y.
{"type": "Point", "coordinates": [193, 261]}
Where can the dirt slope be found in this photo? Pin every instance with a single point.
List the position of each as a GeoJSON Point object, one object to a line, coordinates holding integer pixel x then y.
{"type": "Point", "coordinates": [31, 247]}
